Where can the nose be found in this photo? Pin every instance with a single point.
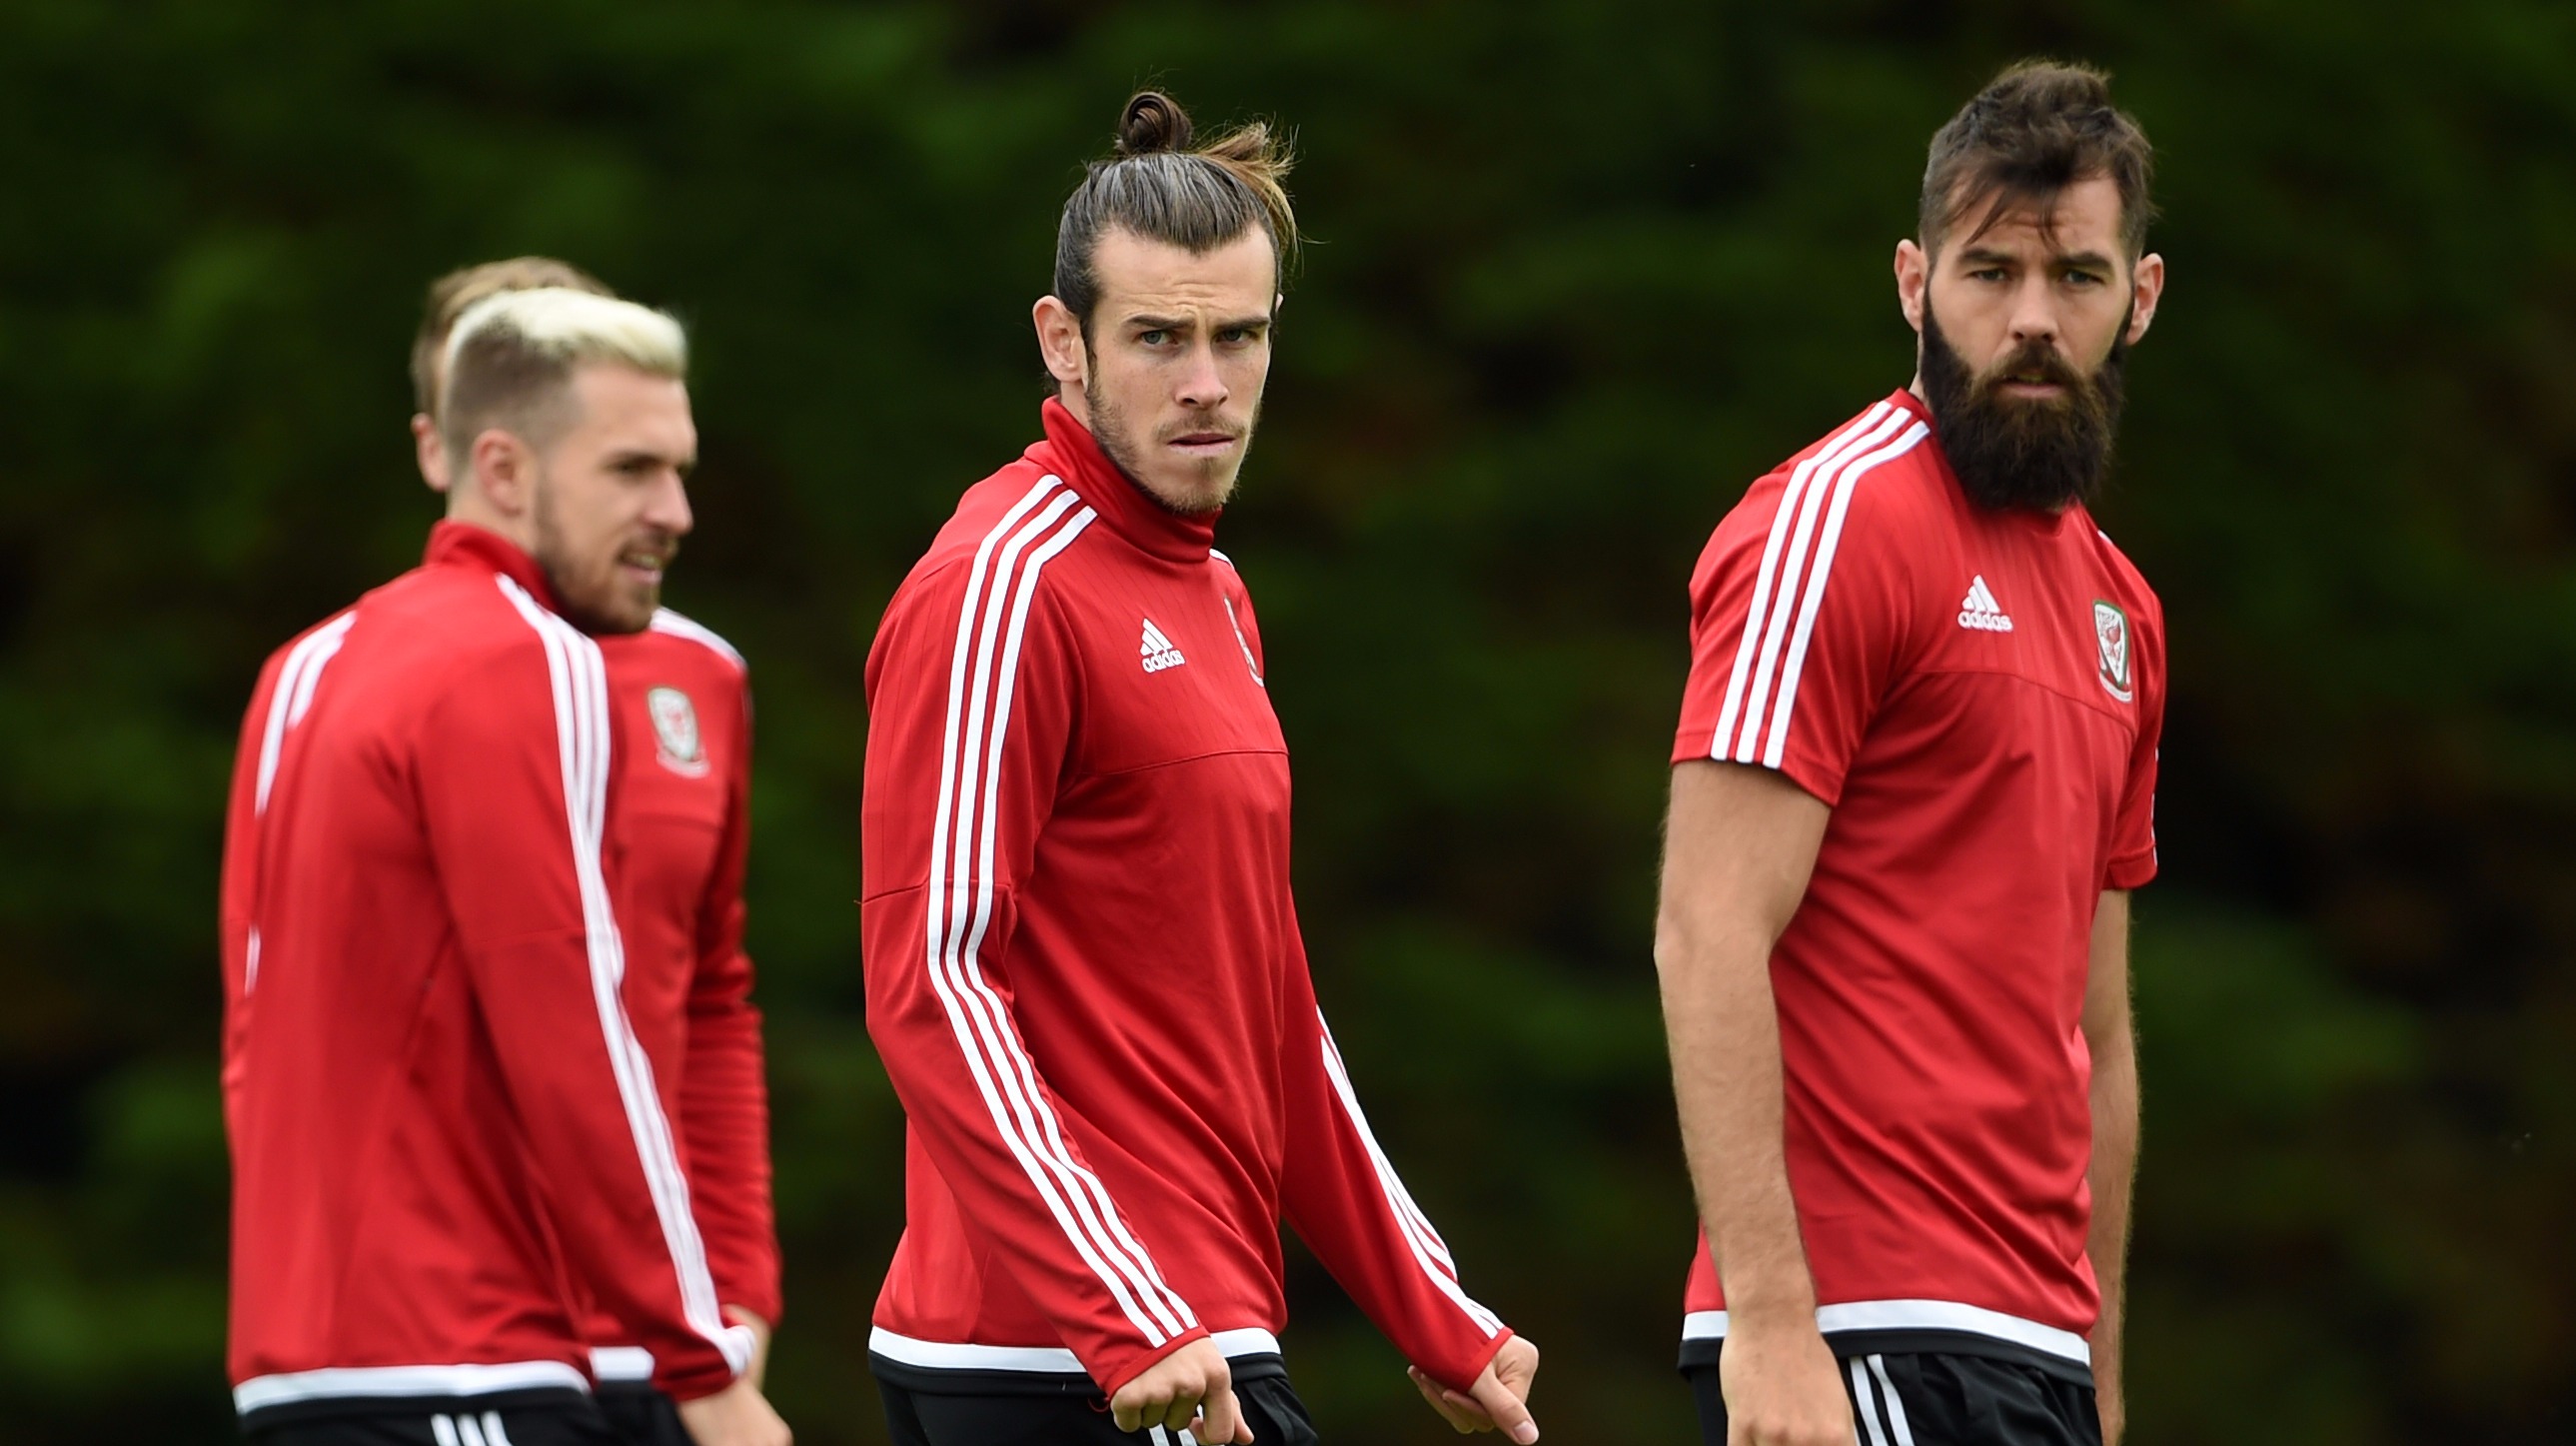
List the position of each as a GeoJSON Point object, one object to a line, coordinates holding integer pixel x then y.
{"type": "Point", "coordinates": [2034, 313]}
{"type": "Point", "coordinates": [1201, 386]}
{"type": "Point", "coordinates": [667, 508]}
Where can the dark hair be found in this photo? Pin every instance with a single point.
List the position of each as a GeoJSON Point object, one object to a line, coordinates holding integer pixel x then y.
{"type": "Point", "coordinates": [1161, 187]}
{"type": "Point", "coordinates": [450, 295]}
{"type": "Point", "coordinates": [2035, 130]}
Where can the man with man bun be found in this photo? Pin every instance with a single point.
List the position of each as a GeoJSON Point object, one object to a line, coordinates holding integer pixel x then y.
{"type": "Point", "coordinates": [684, 833]}
{"type": "Point", "coordinates": [450, 1136]}
{"type": "Point", "coordinates": [1913, 786]}
{"type": "Point", "coordinates": [1083, 965]}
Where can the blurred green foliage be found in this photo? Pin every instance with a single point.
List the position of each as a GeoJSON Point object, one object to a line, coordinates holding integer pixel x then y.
{"type": "Point", "coordinates": [1584, 270]}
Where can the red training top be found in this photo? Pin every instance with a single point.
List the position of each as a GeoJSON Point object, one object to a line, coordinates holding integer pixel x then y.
{"type": "Point", "coordinates": [440, 1110]}
{"type": "Point", "coordinates": [1978, 695]}
{"type": "Point", "coordinates": [682, 828]}
{"type": "Point", "coordinates": [1083, 965]}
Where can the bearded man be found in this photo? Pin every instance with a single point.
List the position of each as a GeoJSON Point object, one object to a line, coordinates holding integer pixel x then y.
{"type": "Point", "coordinates": [453, 1140]}
{"type": "Point", "coordinates": [1083, 966]}
{"type": "Point", "coordinates": [1913, 785]}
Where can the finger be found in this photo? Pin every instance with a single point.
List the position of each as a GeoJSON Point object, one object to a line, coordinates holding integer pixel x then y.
{"type": "Point", "coordinates": [1446, 1403]}
{"type": "Point", "coordinates": [1184, 1409]}
{"type": "Point", "coordinates": [1509, 1415]}
{"type": "Point", "coordinates": [1129, 1414]}
{"type": "Point", "coordinates": [1222, 1422]}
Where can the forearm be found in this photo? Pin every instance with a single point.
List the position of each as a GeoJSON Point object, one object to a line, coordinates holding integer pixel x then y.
{"type": "Point", "coordinates": [1725, 1034]}
{"type": "Point", "coordinates": [2114, 1167]}
{"type": "Point", "coordinates": [2111, 1040]}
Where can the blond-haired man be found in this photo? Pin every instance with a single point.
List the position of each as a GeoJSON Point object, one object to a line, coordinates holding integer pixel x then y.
{"type": "Point", "coordinates": [439, 1107]}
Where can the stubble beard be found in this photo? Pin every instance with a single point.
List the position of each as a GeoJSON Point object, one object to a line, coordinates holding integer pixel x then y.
{"type": "Point", "coordinates": [599, 607]}
{"type": "Point", "coordinates": [1109, 429]}
{"type": "Point", "coordinates": [2036, 455]}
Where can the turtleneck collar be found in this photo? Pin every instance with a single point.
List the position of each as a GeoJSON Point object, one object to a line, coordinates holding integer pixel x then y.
{"type": "Point", "coordinates": [1072, 453]}
{"type": "Point", "coordinates": [462, 544]}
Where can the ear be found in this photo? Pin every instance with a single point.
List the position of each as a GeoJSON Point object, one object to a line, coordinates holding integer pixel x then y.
{"type": "Point", "coordinates": [429, 451]}
{"type": "Point", "coordinates": [504, 472]}
{"type": "Point", "coordinates": [2147, 288]}
{"type": "Point", "coordinates": [1060, 342]}
{"type": "Point", "coordinates": [1913, 279]}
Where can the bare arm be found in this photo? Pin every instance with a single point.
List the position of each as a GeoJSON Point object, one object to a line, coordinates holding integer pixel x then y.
{"type": "Point", "coordinates": [1739, 846]}
{"type": "Point", "coordinates": [2107, 1032]}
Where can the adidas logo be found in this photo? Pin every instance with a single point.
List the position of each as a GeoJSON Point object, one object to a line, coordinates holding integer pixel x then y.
{"type": "Point", "coordinates": [1158, 651]}
{"type": "Point", "coordinates": [1980, 612]}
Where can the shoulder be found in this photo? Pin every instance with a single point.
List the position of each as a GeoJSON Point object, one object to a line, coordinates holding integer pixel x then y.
{"type": "Point", "coordinates": [1863, 496]}
{"type": "Point", "coordinates": [673, 632]}
{"type": "Point", "coordinates": [2123, 578]}
{"type": "Point", "coordinates": [1006, 513]}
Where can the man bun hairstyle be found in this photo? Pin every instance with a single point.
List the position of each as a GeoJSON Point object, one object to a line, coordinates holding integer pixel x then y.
{"type": "Point", "coordinates": [511, 357]}
{"type": "Point", "coordinates": [2034, 131]}
{"type": "Point", "coordinates": [1161, 185]}
{"type": "Point", "coordinates": [450, 296]}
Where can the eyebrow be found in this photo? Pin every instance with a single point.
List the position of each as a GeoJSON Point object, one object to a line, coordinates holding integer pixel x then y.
{"type": "Point", "coordinates": [1182, 323]}
{"type": "Point", "coordinates": [682, 465]}
{"type": "Point", "coordinates": [2081, 260]}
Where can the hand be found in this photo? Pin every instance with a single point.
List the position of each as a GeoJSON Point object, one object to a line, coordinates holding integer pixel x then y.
{"type": "Point", "coordinates": [1783, 1388]}
{"type": "Point", "coordinates": [1496, 1401]}
{"type": "Point", "coordinates": [736, 1416]}
{"type": "Point", "coordinates": [758, 1372]}
{"type": "Point", "coordinates": [1192, 1390]}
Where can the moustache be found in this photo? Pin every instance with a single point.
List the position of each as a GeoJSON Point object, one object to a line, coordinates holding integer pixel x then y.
{"type": "Point", "coordinates": [2032, 361]}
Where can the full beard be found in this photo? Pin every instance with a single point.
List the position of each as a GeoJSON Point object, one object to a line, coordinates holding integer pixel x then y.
{"type": "Point", "coordinates": [2008, 452]}
{"type": "Point", "coordinates": [1109, 429]}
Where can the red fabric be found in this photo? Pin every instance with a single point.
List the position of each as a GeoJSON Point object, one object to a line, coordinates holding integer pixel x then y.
{"type": "Point", "coordinates": [1097, 1011]}
{"type": "Point", "coordinates": [685, 830]}
{"type": "Point", "coordinates": [1988, 785]}
{"type": "Point", "coordinates": [430, 1136]}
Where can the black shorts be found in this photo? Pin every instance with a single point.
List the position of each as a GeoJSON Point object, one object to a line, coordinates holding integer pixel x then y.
{"type": "Point", "coordinates": [445, 1423]}
{"type": "Point", "coordinates": [641, 1416]}
{"type": "Point", "coordinates": [1942, 1400]}
{"type": "Point", "coordinates": [931, 1418]}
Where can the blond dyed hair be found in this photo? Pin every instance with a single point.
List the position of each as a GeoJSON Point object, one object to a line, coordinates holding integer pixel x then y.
{"type": "Point", "coordinates": [511, 358]}
{"type": "Point", "coordinates": [451, 295]}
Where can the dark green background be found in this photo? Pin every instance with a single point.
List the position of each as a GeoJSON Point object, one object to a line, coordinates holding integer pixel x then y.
{"type": "Point", "coordinates": [1584, 271]}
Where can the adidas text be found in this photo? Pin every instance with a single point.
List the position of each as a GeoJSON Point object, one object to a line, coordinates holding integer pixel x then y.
{"type": "Point", "coordinates": [1157, 650]}
{"type": "Point", "coordinates": [1980, 612]}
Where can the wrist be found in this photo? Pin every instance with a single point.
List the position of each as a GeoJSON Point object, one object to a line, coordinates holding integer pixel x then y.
{"type": "Point", "coordinates": [1770, 1308]}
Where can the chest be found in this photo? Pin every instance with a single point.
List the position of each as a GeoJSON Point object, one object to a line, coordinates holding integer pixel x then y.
{"type": "Point", "coordinates": [1169, 673]}
{"type": "Point", "coordinates": [2028, 612]}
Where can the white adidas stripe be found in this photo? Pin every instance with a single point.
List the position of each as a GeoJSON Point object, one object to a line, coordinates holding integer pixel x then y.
{"type": "Point", "coordinates": [287, 702]}
{"type": "Point", "coordinates": [1428, 1250]}
{"type": "Point", "coordinates": [1007, 680]}
{"type": "Point", "coordinates": [1813, 597]}
{"type": "Point", "coordinates": [1021, 1114]}
{"type": "Point", "coordinates": [1793, 576]}
{"type": "Point", "coordinates": [1769, 578]}
{"type": "Point", "coordinates": [580, 680]}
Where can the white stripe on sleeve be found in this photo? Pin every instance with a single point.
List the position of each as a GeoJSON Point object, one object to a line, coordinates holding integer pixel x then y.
{"type": "Point", "coordinates": [961, 885]}
{"type": "Point", "coordinates": [287, 703]}
{"type": "Point", "coordinates": [580, 680]}
{"type": "Point", "coordinates": [1773, 627]}
{"type": "Point", "coordinates": [1428, 1251]}
{"type": "Point", "coordinates": [1814, 595]}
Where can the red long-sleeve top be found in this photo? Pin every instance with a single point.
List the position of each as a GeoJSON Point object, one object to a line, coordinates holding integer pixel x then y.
{"type": "Point", "coordinates": [1084, 970]}
{"type": "Point", "coordinates": [449, 1134]}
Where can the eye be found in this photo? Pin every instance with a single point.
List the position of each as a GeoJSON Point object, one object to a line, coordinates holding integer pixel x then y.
{"type": "Point", "coordinates": [2081, 279]}
{"type": "Point", "coordinates": [1987, 273]}
{"type": "Point", "coordinates": [1238, 335]}
{"type": "Point", "coordinates": [1155, 337]}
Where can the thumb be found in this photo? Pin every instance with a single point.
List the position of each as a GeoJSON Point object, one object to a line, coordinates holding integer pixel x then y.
{"type": "Point", "coordinates": [1510, 1416]}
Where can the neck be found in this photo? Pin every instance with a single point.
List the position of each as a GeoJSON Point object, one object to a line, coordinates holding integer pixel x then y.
{"type": "Point", "coordinates": [468, 505]}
